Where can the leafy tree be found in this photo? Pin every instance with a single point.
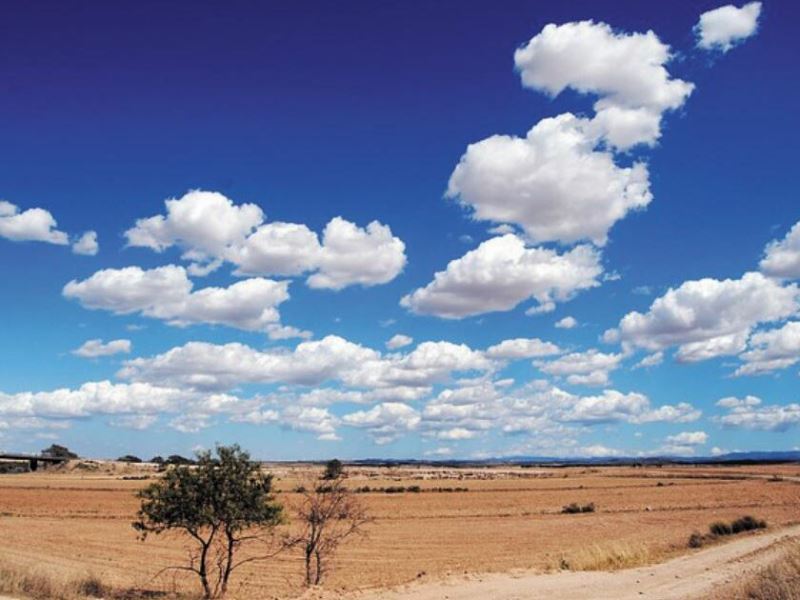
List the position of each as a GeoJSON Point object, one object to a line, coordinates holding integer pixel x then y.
{"type": "Point", "coordinates": [221, 504]}
{"type": "Point", "coordinates": [59, 452]}
{"type": "Point", "coordinates": [157, 460]}
{"type": "Point", "coordinates": [177, 459]}
{"type": "Point", "coordinates": [328, 515]}
{"type": "Point", "coordinates": [333, 469]}
{"type": "Point", "coordinates": [129, 458]}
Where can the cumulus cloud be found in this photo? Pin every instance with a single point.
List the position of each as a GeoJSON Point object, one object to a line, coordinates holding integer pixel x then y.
{"type": "Point", "coordinates": [567, 323]}
{"type": "Point", "coordinates": [688, 438]}
{"type": "Point", "coordinates": [86, 244]}
{"type": "Point", "coordinates": [555, 183]}
{"type": "Point", "coordinates": [385, 422]}
{"type": "Point", "coordinates": [591, 367]}
{"type": "Point", "coordinates": [352, 255]}
{"type": "Point", "coordinates": [203, 365]}
{"type": "Point", "coordinates": [31, 225]}
{"type": "Point", "coordinates": [709, 317]}
{"type": "Point", "coordinates": [95, 348]}
{"type": "Point", "coordinates": [771, 350]}
{"type": "Point", "coordinates": [105, 397]}
{"type": "Point", "coordinates": [399, 341]}
{"type": "Point", "coordinates": [625, 70]}
{"type": "Point", "coordinates": [211, 229]}
{"type": "Point", "coordinates": [518, 348]}
{"type": "Point", "coordinates": [651, 360]}
{"type": "Point", "coordinates": [501, 273]}
{"type": "Point", "coordinates": [166, 293]}
{"type": "Point", "coordinates": [782, 257]}
{"type": "Point", "coordinates": [724, 27]}
{"type": "Point", "coordinates": [749, 413]}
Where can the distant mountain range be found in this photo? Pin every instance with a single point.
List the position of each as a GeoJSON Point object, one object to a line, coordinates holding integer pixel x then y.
{"type": "Point", "coordinates": [731, 457]}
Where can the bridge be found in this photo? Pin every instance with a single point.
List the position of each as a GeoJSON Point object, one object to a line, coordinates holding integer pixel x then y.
{"type": "Point", "coordinates": [33, 459]}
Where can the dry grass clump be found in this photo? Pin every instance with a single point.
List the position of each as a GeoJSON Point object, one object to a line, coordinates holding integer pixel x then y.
{"type": "Point", "coordinates": [608, 557]}
{"type": "Point", "coordinates": [38, 584]}
{"type": "Point", "coordinates": [779, 581]}
{"type": "Point", "coordinates": [575, 508]}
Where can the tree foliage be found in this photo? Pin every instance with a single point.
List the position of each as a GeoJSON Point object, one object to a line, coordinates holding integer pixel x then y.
{"type": "Point", "coordinates": [223, 502]}
{"type": "Point", "coordinates": [327, 516]}
{"type": "Point", "coordinates": [333, 469]}
{"type": "Point", "coordinates": [59, 452]}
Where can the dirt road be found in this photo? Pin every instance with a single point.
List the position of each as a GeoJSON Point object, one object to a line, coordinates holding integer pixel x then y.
{"type": "Point", "coordinates": [692, 576]}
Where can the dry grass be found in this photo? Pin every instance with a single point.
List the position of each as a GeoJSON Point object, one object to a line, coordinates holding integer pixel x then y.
{"type": "Point", "coordinates": [779, 581]}
{"type": "Point", "coordinates": [42, 584]}
{"type": "Point", "coordinates": [608, 557]}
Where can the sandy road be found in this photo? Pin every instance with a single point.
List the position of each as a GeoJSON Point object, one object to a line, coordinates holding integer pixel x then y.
{"type": "Point", "coordinates": [693, 576]}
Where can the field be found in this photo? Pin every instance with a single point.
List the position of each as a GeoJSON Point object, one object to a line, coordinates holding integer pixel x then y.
{"type": "Point", "coordinates": [73, 523]}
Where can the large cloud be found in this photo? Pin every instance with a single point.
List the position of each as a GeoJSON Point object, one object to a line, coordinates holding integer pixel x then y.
{"type": "Point", "coordinates": [709, 317]}
{"type": "Point", "coordinates": [782, 257]}
{"type": "Point", "coordinates": [749, 413]}
{"type": "Point", "coordinates": [771, 350]}
{"type": "Point", "coordinates": [724, 27]}
{"type": "Point", "coordinates": [555, 182]}
{"type": "Point", "coordinates": [211, 366]}
{"type": "Point", "coordinates": [34, 225]}
{"type": "Point", "coordinates": [626, 71]}
{"type": "Point", "coordinates": [211, 229]}
{"type": "Point", "coordinates": [582, 368]}
{"type": "Point", "coordinates": [385, 422]}
{"type": "Point", "coordinates": [166, 293]}
{"type": "Point", "coordinates": [500, 274]}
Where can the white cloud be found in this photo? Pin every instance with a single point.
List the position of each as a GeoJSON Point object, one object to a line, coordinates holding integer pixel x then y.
{"type": "Point", "coordinates": [782, 257]}
{"type": "Point", "coordinates": [385, 422]}
{"type": "Point", "coordinates": [500, 274]}
{"type": "Point", "coordinates": [399, 341]}
{"type": "Point", "coordinates": [190, 423]}
{"type": "Point", "coordinates": [724, 27]}
{"type": "Point", "coordinates": [31, 225]}
{"type": "Point", "coordinates": [137, 422]}
{"type": "Point", "coordinates": [210, 229]}
{"type": "Point", "coordinates": [709, 317]}
{"type": "Point", "coordinates": [86, 244]}
{"type": "Point", "coordinates": [771, 350]}
{"type": "Point", "coordinates": [311, 419]}
{"type": "Point", "coordinates": [591, 367]}
{"type": "Point", "coordinates": [210, 366]}
{"type": "Point", "coordinates": [651, 360]}
{"type": "Point", "coordinates": [521, 348]}
{"type": "Point", "coordinates": [749, 413]}
{"type": "Point", "coordinates": [626, 71]}
{"type": "Point", "coordinates": [105, 397]}
{"type": "Point", "coordinates": [166, 293]}
{"type": "Point", "coordinates": [554, 183]}
{"type": "Point", "coordinates": [96, 347]}
{"type": "Point", "coordinates": [567, 323]}
{"type": "Point", "coordinates": [688, 438]}
{"type": "Point", "coordinates": [352, 255]}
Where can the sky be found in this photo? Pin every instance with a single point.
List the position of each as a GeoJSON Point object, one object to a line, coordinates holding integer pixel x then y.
{"type": "Point", "coordinates": [400, 229]}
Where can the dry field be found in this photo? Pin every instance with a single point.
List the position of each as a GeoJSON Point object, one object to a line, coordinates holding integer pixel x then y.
{"type": "Point", "coordinates": [76, 523]}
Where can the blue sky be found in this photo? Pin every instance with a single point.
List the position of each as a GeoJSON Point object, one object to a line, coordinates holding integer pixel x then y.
{"type": "Point", "coordinates": [277, 191]}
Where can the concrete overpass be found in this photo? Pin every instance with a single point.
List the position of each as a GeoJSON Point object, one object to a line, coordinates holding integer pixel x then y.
{"type": "Point", "coordinates": [32, 459]}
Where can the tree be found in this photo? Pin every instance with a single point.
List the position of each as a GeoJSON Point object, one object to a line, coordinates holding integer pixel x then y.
{"type": "Point", "coordinates": [221, 504]}
{"type": "Point", "coordinates": [59, 452]}
{"type": "Point", "coordinates": [129, 458]}
{"type": "Point", "coordinates": [333, 469]}
{"type": "Point", "coordinates": [327, 515]}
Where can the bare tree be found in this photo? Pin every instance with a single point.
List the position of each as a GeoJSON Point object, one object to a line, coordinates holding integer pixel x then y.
{"type": "Point", "coordinates": [328, 514]}
{"type": "Point", "coordinates": [221, 504]}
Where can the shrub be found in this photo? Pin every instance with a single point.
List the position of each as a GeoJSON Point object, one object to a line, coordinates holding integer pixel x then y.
{"type": "Point", "coordinates": [696, 540]}
{"type": "Point", "coordinates": [575, 508]}
{"type": "Point", "coordinates": [93, 587]}
{"type": "Point", "coordinates": [747, 523]}
{"type": "Point", "coordinates": [720, 528]}
{"type": "Point", "coordinates": [59, 452]}
{"type": "Point", "coordinates": [414, 489]}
